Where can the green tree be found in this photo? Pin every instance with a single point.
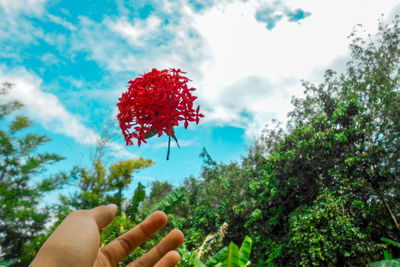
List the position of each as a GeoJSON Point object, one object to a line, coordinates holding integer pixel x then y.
{"type": "Point", "coordinates": [326, 234]}
{"type": "Point", "coordinates": [22, 218]}
{"type": "Point", "coordinates": [102, 186]}
{"type": "Point", "coordinates": [158, 191]}
{"type": "Point", "coordinates": [99, 186]}
{"type": "Point", "coordinates": [219, 196]}
{"type": "Point", "coordinates": [343, 137]}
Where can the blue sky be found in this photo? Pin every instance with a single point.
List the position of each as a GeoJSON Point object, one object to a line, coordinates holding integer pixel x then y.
{"type": "Point", "coordinates": [70, 61]}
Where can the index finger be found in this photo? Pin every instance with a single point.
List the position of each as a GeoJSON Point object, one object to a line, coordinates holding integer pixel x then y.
{"type": "Point", "coordinates": [121, 247]}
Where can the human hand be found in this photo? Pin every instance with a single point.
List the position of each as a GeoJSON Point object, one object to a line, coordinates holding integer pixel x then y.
{"type": "Point", "coordinates": [76, 242]}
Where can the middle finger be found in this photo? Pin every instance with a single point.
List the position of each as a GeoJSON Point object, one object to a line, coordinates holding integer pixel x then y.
{"type": "Point", "coordinates": [171, 242]}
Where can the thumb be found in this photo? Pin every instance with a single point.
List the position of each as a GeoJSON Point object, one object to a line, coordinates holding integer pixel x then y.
{"type": "Point", "coordinates": [104, 214]}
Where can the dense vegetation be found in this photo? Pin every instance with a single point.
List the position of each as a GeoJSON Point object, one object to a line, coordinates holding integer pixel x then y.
{"type": "Point", "coordinates": [323, 191]}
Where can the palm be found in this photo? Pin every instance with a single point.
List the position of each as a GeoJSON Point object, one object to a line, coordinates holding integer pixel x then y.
{"type": "Point", "coordinates": [76, 242]}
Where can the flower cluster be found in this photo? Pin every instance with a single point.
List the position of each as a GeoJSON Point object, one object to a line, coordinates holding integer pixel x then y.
{"type": "Point", "coordinates": [155, 103]}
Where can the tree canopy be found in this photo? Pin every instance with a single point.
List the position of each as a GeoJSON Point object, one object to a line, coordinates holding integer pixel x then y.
{"type": "Point", "coordinates": [22, 217]}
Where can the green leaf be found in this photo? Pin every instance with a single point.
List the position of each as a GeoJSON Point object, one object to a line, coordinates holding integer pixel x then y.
{"type": "Point", "coordinates": [232, 256]}
{"type": "Point", "coordinates": [394, 243]}
{"type": "Point", "coordinates": [385, 263]}
{"type": "Point", "coordinates": [245, 251]}
{"type": "Point", "coordinates": [170, 201]}
{"type": "Point", "coordinates": [217, 258]}
{"type": "Point", "coordinates": [199, 263]}
{"type": "Point", "coordinates": [387, 255]}
{"type": "Point", "coordinates": [20, 122]}
{"type": "Point", "coordinates": [138, 197]}
{"type": "Point", "coordinates": [31, 141]}
{"type": "Point", "coordinates": [6, 263]}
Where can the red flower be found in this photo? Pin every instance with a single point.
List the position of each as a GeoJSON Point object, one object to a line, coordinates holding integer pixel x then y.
{"type": "Point", "coordinates": [155, 103]}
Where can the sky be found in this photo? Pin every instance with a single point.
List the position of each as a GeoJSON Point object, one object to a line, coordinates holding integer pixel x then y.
{"type": "Point", "coordinates": [69, 61]}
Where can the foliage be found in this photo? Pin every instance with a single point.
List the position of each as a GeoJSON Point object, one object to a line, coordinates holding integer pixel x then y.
{"type": "Point", "coordinates": [323, 191]}
{"type": "Point", "coordinates": [218, 197]}
{"type": "Point", "coordinates": [170, 201]}
{"type": "Point", "coordinates": [99, 186]}
{"type": "Point", "coordinates": [22, 218]}
{"type": "Point", "coordinates": [342, 139]}
{"type": "Point", "coordinates": [123, 223]}
{"type": "Point", "coordinates": [229, 256]}
{"type": "Point", "coordinates": [388, 261]}
{"type": "Point", "coordinates": [321, 232]}
{"type": "Point", "coordinates": [385, 263]}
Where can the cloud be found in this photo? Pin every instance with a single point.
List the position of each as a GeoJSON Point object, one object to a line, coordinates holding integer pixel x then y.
{"type": "Point", "coordinates": [253, 72]}
{"type": "Point", "coordinates": [271, 13]}
{"type": "Point", "coordinates": [20, 29]}
{"type": "Point", "coordinates": [57, 20]}
{"type": "Point", "coordinates": [32, 7]}
{"type": "Point", "coordinates": [145, 178]}
{"type": "Point", "coordinates": [250, 102]}
{"type": "Point", "coordinates": [297, 15]}
{"type": "Point", "coordinates": [15, 29]}
{"type": "Point", "coordinates": [136, 32]}
{"type": "Point", "coordinates": [50, 59]}
{"type": "Point", "coordinates": [164, 144]}
{"type": "Point", "coordinates": [46, 109]}
{"type": "Point", "coordinates": [244, 74]}
{"type": "Point", "coordinates": [393, 13]}
{"type": "Point", "coordinates": [140, 45]}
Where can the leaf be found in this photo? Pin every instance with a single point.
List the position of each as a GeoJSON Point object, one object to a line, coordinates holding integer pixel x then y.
{"type": "Point", "coordinates": [217, 258]}
{"type": "Point", "coordinates": [170, 201]}
{"type": "Point", "coordinates": [7, 263]}
{"type": "Point", "coordinates": [31, 141]}
{"type": "Point", "coordinates": [199, 263]}
{"type": "Point", "coordinates": [20, 122]}
{"type": "Point", "coordinates": [387, 255]}
{"type": "Point", "coordinates": [394, 243]}
{"type": "Point", "coordinates": [245, 250]}
{"type": "Point", "coordinates": [138, 197]}
{"type": "Point", "coordinates": [232, 256]}
{"type": "Point", "coordinates": [385, 263]}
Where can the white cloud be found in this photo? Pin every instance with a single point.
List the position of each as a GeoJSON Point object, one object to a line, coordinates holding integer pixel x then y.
{"type": "Point", "coordinates": [137, 31]}
{"type": "Point", "coordinates": [242, 48]}
{"type": "Point", "coordinates": [150, 44]}
{"type": "Point", "coordinates": [50, 59]}
{"type": "Point", "coordinates": [66, 24]}
{"type": "Point", "coordinates": [35, 7]}
{"type": "Point", "coordinates": [119, 151]}
{"type": "Point", "coordinates": [19, 30]}
{"type": "Point", "coordinates": [244, 73]}
{"type": "Point", "coordinates": [46, 109]}
{"type": "Point", "coordinates": [145, 178]}
{"type": "Point", "coordinates": [163, 143]}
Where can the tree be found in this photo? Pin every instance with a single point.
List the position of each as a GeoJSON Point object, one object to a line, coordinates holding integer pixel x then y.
{"type": "Point", "coordinates": [22, 218]}
{"type": "Point", "coordinates": [343, 138]}
{"type": "Point", "coordinates": [98, 187]}
{"type": "Point", "coordinates": [219, 197]}
{"type": "Point", "coordinates": [158, 191]}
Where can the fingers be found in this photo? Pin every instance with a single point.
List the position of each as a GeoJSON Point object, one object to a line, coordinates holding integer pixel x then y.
{"type": "Point", "coordinates": [75, 242]}
{"type": "Point", "coordinates": [161, 251]}
{"type": "Point", "coordinates": [171, 259]}
{"type": "Point", "coordinates": [103, 215]}
{"type": "Point", "coordinates": [121, 247]}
